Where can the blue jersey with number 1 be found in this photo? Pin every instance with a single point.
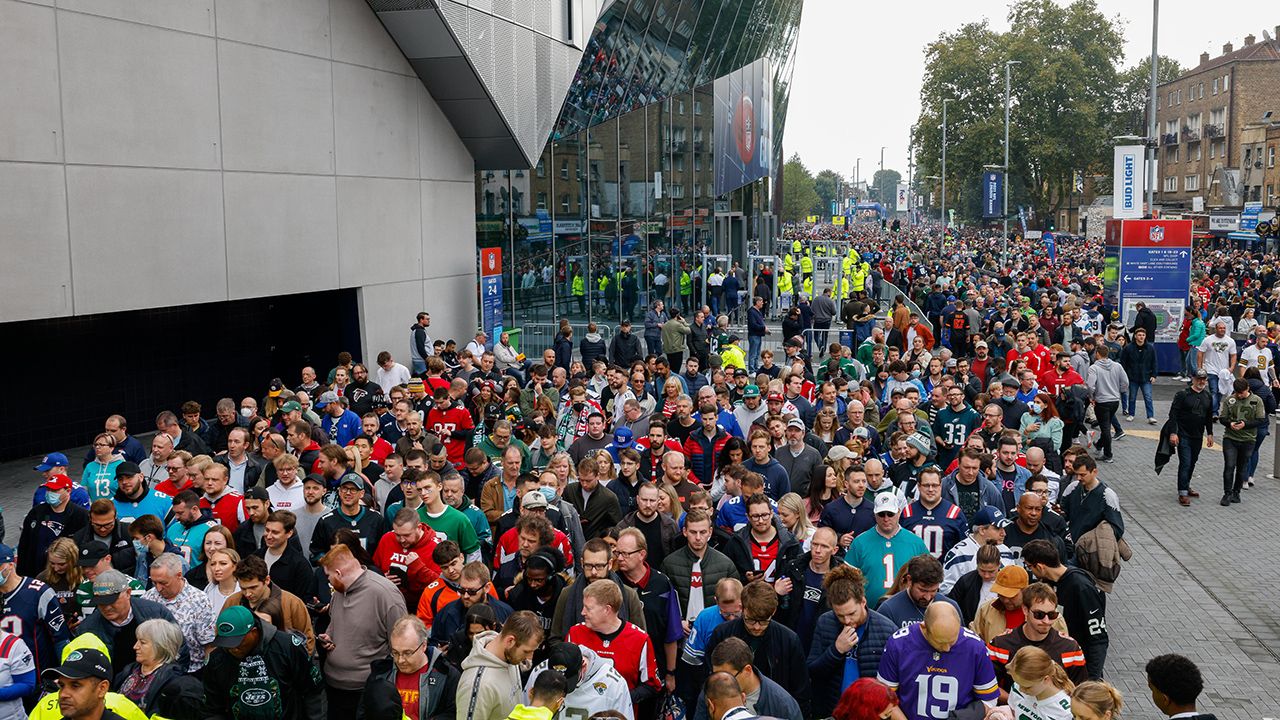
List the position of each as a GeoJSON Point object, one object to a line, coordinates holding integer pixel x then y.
{"type": "Point", "coordinates": [879, 558]}
{"type": "Point", "coordinates": [930, 683]}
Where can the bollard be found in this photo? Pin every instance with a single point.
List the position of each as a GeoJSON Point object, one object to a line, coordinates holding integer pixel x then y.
{"type": "Point", "coordinates": [1275, 458]}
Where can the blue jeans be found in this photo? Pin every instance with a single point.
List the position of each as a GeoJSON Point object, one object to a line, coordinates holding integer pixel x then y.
{"type": "Point", "coordinates": [1133, 398]}
{"type": "Point", "coordinates": [1188, 454]}
{"type": "Point", "coordinates": [1263, 432]}
{"type": "Point", "coordinates": [1189, 361]}
{"type": "Point", "coordinates": [753, 352]}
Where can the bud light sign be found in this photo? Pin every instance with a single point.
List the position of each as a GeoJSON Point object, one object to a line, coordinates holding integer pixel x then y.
{"type": "Point", "coordinates": [1128, 182]}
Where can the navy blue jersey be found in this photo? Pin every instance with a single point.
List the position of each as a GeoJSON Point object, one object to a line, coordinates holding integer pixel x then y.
{"type": "Point", "coordinates": [33, 613]}
{"type": "Point", "coordinates": [939, 528]}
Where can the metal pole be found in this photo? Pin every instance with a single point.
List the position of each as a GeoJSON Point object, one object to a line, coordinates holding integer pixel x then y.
{"type": "Point", "coordinates": [1004, 247]}
{"type": "Point", "coordinates": [944, 164]}
{"type": "Point", "coordinates": [1151, 111]}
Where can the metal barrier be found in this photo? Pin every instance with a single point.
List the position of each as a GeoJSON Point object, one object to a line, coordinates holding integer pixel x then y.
{"type": "Point", "coordinates": [537, 337]}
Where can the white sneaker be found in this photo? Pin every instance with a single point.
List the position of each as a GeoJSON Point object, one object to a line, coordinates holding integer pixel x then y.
{"type": "Point", "coordinates": [1151, 421]}
{"type": "Point", "coordinates": [1128, 418]}
{"type": "Point", "coordinates": [1248, 483]}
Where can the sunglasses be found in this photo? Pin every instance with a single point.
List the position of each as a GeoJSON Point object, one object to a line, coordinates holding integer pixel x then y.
{"type": "Point", "coordinates": [1043, 614]}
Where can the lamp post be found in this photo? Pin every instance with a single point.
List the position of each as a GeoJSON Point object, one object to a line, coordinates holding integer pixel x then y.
{"type": "Point", "coordinates": [1151, 112]}
{"type": "Point", "coordinates": [944, 162]}
{"type": "Point", "coordinates": [1004, 252]}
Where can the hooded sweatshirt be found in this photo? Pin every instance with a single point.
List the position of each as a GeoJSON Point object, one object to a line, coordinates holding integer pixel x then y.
{"type": "Point", "coordinates": [1107, 380]}
{"type": "Point", "coordinates": [601, 688]}
{"type": "Point", "coordinates": [490, 687]}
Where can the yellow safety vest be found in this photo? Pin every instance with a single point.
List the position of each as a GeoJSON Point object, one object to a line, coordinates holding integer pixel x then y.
{"type": "Point", "coordinates": [604, 283]}
{"type": "Point", "coordinates": [859, 279]}
{"type": "Point", "coordinates": [808, 286]}
{"type": "Point", "coordinates": [788, 262]}
{"type": "Point", "coordinates": [579, 287]}
{"type": "Point", "coordinates": [686, 284]}
{"type": "Point", "coordinates": [795, 246]}
{"type": "Point", "coordinates": [806, 265]}
{"type": "Point", "coordinates": [732, 356]}
{"type": "Point", "coordinates": [784, 282]}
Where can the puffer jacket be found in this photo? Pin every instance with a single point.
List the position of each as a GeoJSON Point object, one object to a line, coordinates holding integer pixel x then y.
{"type": "Point", "coordinates": [826, 666]}
{"type": "Point", "coordinates": [716, 566]}
{"type": "Point", "coordinates": [592, 348]}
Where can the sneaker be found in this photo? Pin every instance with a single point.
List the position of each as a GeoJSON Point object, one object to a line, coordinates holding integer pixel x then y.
{"type": "Point", "coordinates": [1248, 483]}
{"type": "Point", "coordinates": [1119, 435]}
{"type": "Point", "coordinates": [1108, 459]}
{"type": "Point", "coordinates": [1226, 500]}
{"type": "Point", "coordinates": [1151, 421]}
{"type": "Point", "coordinates": [1235, 497]}
{"type": "Point", "coordinates": [1129, 418]}
{"type": "Point", "coordinates": [1184, 501]}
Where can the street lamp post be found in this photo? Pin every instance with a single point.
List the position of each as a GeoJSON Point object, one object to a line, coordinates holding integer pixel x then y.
{"type": "Point", "coordinates": [1151, 112]}
{"type": "Point", "coordinates": [944, 163]}
{"type": "Point", "coordinates": [1004, 252]}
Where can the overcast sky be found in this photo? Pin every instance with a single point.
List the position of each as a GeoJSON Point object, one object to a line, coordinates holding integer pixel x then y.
{"type": "Point", "coordinates": [831, 129]}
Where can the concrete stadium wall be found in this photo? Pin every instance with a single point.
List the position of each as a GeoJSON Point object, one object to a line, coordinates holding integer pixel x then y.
{"type": "Point", "coordinates": [162, 153]}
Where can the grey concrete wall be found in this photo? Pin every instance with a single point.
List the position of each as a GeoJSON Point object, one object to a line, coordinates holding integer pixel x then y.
{"type": "Point", "coordinates": [166, 152]}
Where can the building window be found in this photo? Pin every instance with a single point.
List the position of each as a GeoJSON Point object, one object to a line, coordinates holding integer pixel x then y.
{"type": "Point", "coordinates": [680, 106]}
{"type": "Point", "coordinates": [564, 203]}
{"type": "Point", "coordinates": [542, 169]}
{"type": "Point", "coordinates": [1200, 90]}
{"type": "Point", "coordinates": [1192, 183]}
{"type": "Point", "coordinates": [1179, 96]}
{"type": "Point", "coordinates": [1170, 98]}
{"type": "Point", "coordinates": [1271, 193]}
{"type": "Point", "coordinates": [1193, 122]}
{"type": "Point", "coordinates": [1171, 184]}
{"type": "Point", "coordinates": [697, 107]}
{"type": "Point", "coordinates": [564, 169]}
{"type": "Point", "coordinates": [1171, 154]}
{"type": "Point", "coordinates": [680, 162]}
{"type": "Point", "coordinates": [1248, 156]}
{"type": "Point", "coordinates": [1226, 83]}
{"type": "Point", "coordinates": [1271, 156]}
{"type": "Point", "coordinates": [1193, 148]}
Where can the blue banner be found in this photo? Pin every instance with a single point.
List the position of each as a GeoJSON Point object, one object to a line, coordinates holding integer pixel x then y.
{"type": "Point", "coordinates": [1050, 247]}
{"type": "Point", "coordinates": [491, 305]}
{"type": "Point", "coordinates": [992, 195]}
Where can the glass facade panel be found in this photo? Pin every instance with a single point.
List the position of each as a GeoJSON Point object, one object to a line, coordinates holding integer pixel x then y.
{"type": "Point", "coordinates": [620, 210]}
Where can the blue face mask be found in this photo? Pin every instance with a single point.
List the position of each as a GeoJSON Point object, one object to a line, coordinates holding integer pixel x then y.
{"type": "Point", "coordinates": [138, 547]}
{"type": "Point", "coordinates": [53, 497]}
{"type": "Point", "coordinates": [548, 493]}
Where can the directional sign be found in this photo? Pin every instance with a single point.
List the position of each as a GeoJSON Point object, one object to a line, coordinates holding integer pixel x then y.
{"type": "Point", "coordinates": [1149, 261]}
{"type": "Point", "coordinates": [491, 291]}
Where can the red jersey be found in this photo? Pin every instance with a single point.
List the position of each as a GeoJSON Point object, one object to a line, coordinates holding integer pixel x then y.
{"type": "Point", "coordinates": [1051, 382]}
{"type": "Point", "coordinates": [631, 652]}
{"type": "Point", "coordinates": [381, 449]}
{"type": "Point", "coordinates": [435, 383]}
{"type": "Point", "coordinates": [1037, 359]}
{"type": "Point", "coordinates": [167, 487]}
{"type": "Point", "coordinates": [446, 422]}
{"type": "Point", "coordinates": [765, 556]}
{"type": "Point", "coordinates": [509, 546]}
{"type": "Point", "coordinates": [227, 509]}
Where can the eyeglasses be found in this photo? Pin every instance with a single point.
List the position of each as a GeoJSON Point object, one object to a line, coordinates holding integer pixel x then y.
{"type": "Point", "coordinates": [597, 567]}
{"type": "Point", "coordinates": [103, 526]}
{"type": "Point", "coordinates": [755, 622]}
{"type": "Point", "coordinates": [625, 553]}
{"type": "Point", "coordinates": [102, 445]}
{"type": "Point", "coordinates": [464, 590]}
{"type": "Point", "coordinates": [397, 655]}
{"type": "Point", "coordinates": [1043, 614]}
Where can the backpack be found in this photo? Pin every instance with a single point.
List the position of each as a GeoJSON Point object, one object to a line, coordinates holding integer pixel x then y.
{"type": "Point", "coordinates": [1071, 405]}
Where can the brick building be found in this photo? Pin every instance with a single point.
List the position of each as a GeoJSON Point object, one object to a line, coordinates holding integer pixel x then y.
{"type": "Point", "coordinates": [1203, 117]}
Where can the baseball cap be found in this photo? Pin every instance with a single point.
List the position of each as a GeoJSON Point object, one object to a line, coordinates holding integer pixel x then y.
{"type": "Point", "coordinates": [92, 553]}
{"type": "Point", "coordinates": [840, 452]}
{"type": "Point", "coordinates": [57, 483]}
{"type": "Point", "coordinates": [776, 397]}
{"type": "Point", "coordinates": [533, 500]}
{"type": "Point", "coordinates": [292, 406]}
{"type": "Point", "coordinates": [51, 461]}
{"type": "Point", "coordinates": [80, 664]}
{"type": "Point", "coordinates": [990, 516]}
{"type": "Point", "coordinates": [6, 554]}
{"type": "Point", "coordinates": [325, 398]}
{"type": "Point", "coordinates": [257, 492]}
{"type": "Point", "coordinates": [980, 343]}
{"type": "Point", "coordinates": [886, 502]}
{"type": "Point", "coordinates": [274, 389]}
{"type": "Point", "coordinates": [1010, 581]}
{"type": "Point", "coordinates": [492, 410]}
{"type": "Point", "coordinates": [316, 478]}
{"type": "Point", "coordinates": [233, 624]}
{"type": "Point", "coordinates": [793, 342]}
{"type": "Point", "coordinates": [351, 479]}
{"type": "Point", "coordinates": [126, 469]}
{"type": "Point", "coordinates": [733, 339]}
{"type": "Point", "coordinates": [796, 423]}
{"type": "Point", "coordinates": [622, 438]}
{"type": "Point", "coordinates": [1200, 373]}
{"type": "Point", "coordinates": [860, 432]}
{"type": "Point", "coordinates": [566, 659]}
{"type": "Point", "coordinates": [751, 391]}
{"type": "Point", "coordinates": [108, 586]}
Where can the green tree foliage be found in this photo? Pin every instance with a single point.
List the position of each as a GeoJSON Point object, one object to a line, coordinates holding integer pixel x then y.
{"type": "Point", "coordinates": [1135, 84]}
{"type": "Point", "coordinates": [885, 186]}
{"type": "Point", "coordinates": [799, 198]}
{"type": "Point", "coordinates": [1068, 97]}
{"type": "Point", "coordinates": [827, 184]}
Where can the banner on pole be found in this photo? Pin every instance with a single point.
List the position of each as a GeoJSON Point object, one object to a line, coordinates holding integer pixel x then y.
{"type": "Point", "coordinates": [1128, 182]}
{"type": "Point", "coordinates": [992, 195]}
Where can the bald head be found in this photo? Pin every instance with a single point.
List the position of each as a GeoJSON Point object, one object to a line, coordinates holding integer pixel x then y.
{"type": "Point", "coordinates": [941, 626]}
{"type": "Point", "coordinates": [722, 694]}
{"type": "Point", "coordinates": [1035, 455]}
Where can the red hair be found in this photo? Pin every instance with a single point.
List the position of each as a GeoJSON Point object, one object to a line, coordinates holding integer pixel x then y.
{"type": "Point", "coordinates": [865, 699]}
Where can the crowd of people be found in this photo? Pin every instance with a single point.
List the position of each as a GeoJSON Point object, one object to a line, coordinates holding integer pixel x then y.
{"type": "Point", "coordinates": [906, 521]}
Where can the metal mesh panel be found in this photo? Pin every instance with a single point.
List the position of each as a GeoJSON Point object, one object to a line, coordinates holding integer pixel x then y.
{"type": "Point", "coordinates": [394, 5]}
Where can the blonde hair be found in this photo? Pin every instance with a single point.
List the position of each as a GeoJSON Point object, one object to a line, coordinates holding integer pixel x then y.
{"type": "Point", "coordinates": [1031, 661]}
{"type": "Point", "coordinates": [199, 463]}
{"type": "Point", "coordinates": [795, 504]}
{"type": "Point", "coordinates": [64, 548]}
{"type": "Point", "coordinates": [1098, 696]}
{"type": "Point", "coordinates": [676, 509]}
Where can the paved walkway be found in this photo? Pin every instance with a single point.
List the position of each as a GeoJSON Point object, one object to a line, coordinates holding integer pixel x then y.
{"type": "Point", "coordinates": [1202, 583]}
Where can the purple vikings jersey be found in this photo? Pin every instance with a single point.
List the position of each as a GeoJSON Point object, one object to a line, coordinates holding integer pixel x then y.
{"type": "Point", "coordinates": [931, 684]}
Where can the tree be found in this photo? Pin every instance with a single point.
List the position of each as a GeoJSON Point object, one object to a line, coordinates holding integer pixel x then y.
{"type": "Point", "coordinates": [885, 183]}
{"type": "Point", "coordinates": [827, 184]}
{"type": "Point", "coordinates": [1065, 97]}
{"type": "Point", "coordinates": [798, 195]}
{"type": "Point", "coordinates": [1135, 92]}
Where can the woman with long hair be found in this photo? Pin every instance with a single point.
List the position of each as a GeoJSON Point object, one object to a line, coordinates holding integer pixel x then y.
{"type": "Point", "coordinates": [62, 573]}
{"type": "Point", "coordinates": [671, 391]}
{"type": "Point", "coordinates": [795, 518]}
{"type": "Point", "coordinates": [823, 492]}
{"type": "Point", "coordinates": [1041, 421]}
{"type": "Point", "coordinates": [1041, 688]}
{"type": "Point", "coordinates": [217, 537]}
{"type": "Point", "coordinates": [220, 579]}
{"type": "Point", "coordinates": [825, 425]}
{"type": "Point", "coordinates": [99, 476]}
